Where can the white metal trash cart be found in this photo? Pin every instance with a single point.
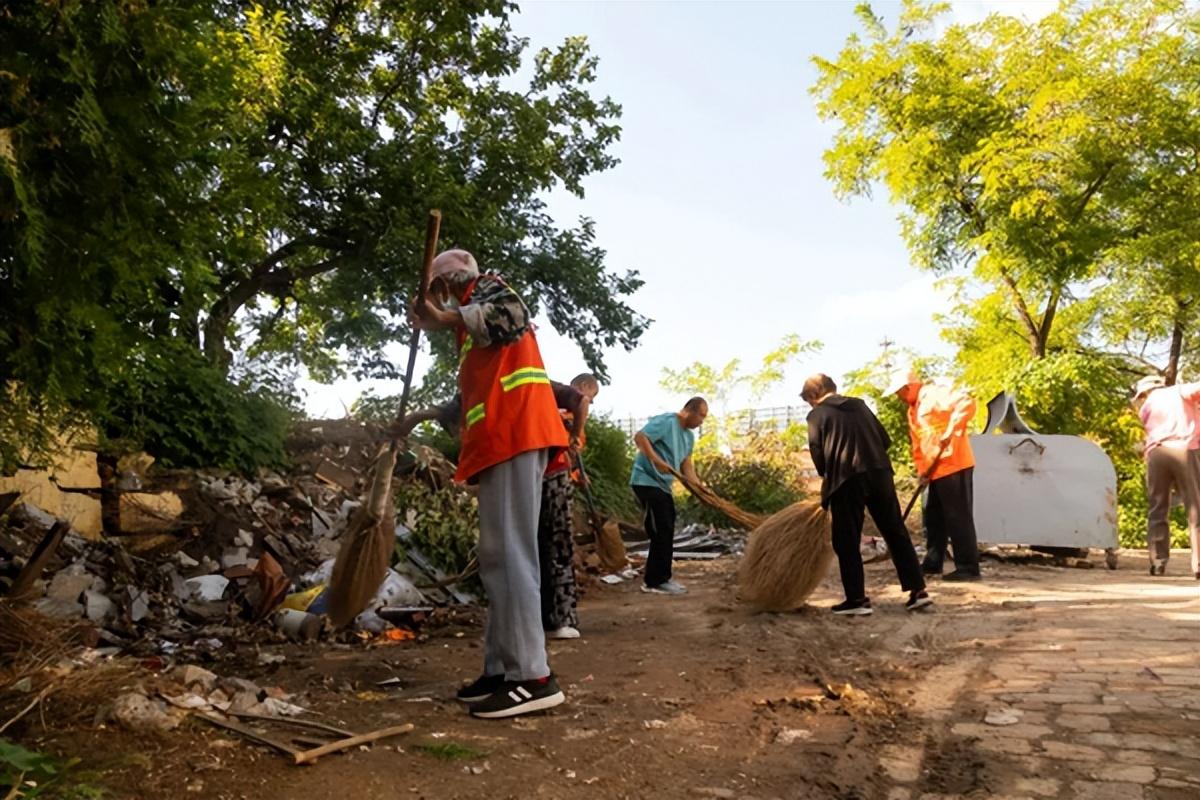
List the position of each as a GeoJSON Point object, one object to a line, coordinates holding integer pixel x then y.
{"type": "Point", "coordinates": [1056, 494]}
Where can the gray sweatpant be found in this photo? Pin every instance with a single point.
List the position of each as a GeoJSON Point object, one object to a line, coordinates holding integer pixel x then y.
{"type": "Point", "coordinates": [510, 497]}
{"type": "Point", "coordinates": [1166, 469]}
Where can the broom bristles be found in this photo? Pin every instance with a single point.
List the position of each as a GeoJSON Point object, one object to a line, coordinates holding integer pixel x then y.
{"type": "Point", "coordinates": [366, 552]}
{"type": "Point", "coordinates": [786, 558]}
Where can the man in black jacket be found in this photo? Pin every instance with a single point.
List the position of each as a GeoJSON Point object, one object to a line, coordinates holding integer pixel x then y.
{"type": "Point", "coordinates": [849, 448]}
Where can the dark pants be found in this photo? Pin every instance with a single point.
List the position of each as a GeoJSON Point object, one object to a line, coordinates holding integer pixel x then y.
{"type": "Point", "coordinates": [556, 553]}
{"type": "Point", "coordinates": [660, 527]}
{"type": "Point", "coordinates": [950, 518]}
{"type": "Point", "coordinates": [873, 491]}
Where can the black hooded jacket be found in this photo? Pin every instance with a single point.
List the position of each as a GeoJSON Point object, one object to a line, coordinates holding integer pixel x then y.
{"type": "Point", "coordinates": [845, 439]}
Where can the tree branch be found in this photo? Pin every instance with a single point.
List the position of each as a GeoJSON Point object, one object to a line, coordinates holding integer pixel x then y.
{"type": "Point", "coordinates": [1091, 190]}
{"type": "Point", "coordinates": [266, 276]}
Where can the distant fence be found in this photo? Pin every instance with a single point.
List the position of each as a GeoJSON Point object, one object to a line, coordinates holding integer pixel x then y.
{"type": "Point", "coordinates": [776, 418]}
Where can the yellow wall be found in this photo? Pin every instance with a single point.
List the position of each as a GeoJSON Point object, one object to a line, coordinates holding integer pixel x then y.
{"type": "Point", "coordinates": [75, 469]}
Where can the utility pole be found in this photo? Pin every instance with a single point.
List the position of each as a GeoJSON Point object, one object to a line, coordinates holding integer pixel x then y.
{"type": "Point", "coordinates": [886, 356]}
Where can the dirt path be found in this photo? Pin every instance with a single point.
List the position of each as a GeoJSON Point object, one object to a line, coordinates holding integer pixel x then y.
{"type": "Point", "coordinates": [695, 697]}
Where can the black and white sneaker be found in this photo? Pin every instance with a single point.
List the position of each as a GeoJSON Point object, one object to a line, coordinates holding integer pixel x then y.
{"type": "Point", "coordinates": [854, 608]}
{"type": "Point", "coordinates": [520, 697]}
{"type": "Point", "coordinates": [1158, 569]}
{"type": "Point", "coordinates": [918, 600]}
{"type": "Point", "coordinates": [483, 688]}
{"type": "Point", "coordinates": [962, 576]}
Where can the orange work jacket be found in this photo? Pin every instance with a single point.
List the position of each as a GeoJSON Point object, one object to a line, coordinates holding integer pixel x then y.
{"type": "Point", "coordinates": [939, 409]}
{"type": "Point", "coordinates": [508, 406]}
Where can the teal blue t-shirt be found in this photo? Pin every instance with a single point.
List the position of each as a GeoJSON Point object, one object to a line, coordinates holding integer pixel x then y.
{"type": "Point", "coordinates": [672, 442]}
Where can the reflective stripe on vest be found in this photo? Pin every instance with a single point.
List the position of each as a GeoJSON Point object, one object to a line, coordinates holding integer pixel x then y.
{"type": "Point", "coordinates": [522, 377]}
{"type": "Point", "coordinates": [462, 351]}
{"type": "Point", "coordinates": [476, 414]}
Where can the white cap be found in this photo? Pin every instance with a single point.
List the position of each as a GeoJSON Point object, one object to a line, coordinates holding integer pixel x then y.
{"type": "Point", "coordinates": [1148, 384]}
{"type": "Point", "coordinates": [901, 378]}
{"type": "Point", "coordinates": [452, 261]}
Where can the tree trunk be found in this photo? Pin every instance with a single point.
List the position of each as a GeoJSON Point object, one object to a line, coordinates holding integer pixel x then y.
{"type": "Point", "coordinates": [1171, 373]}
{"type": "Point", "coordinates": [110, 496]}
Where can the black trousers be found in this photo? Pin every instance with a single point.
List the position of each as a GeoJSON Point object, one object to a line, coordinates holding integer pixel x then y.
{"type": "Point", "coordinates": [660, 527]}
{"type": "Point", "coordinates": [873, 491]}
{"type": "Point", "coordinates": [950, 519]}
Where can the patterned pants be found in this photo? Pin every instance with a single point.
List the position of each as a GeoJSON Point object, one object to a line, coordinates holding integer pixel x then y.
{"type": "Point", "coordinates": [556, 551]}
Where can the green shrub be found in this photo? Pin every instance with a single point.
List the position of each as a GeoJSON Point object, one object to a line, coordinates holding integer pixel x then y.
{"type": "Point", "coordinates": [761, 475]}
{"type": "Point", "coordinates": [186, 413]}
{"type": "Point", "coordinates": [444, 525]}
{"type": "Point", "coordinates": [608, 459]}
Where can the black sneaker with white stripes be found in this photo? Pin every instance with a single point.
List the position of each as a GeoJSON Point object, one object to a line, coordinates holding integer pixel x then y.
{"type": "Point", "coordinates": [918, 600]}
{"type": "Point", "coordinates": [520, 697]}
{"type": "Point", "coordinates": [483, 688]}
{"type": "Point", "coordinates": [854, 608]}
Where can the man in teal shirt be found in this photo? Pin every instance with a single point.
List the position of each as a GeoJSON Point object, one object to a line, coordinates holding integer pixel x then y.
{"type": "Point", "coordinates": [665, 443]}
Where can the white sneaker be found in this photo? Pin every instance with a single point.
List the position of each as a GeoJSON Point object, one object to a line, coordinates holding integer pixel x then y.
{"type": "Point", "coordinates": [670, 587]}
{"type": "Point", "coordinates": [565, 632]}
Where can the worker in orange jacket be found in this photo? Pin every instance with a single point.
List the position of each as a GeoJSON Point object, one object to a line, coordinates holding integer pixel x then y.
{"type": "Point", "coordinates": [510, 431]}
{"type": "Point", "coordinates": [938, 418]}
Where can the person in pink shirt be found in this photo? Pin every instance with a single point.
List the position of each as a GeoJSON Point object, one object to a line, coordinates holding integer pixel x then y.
{"type": "Point", "coordinates": [1171, 418]}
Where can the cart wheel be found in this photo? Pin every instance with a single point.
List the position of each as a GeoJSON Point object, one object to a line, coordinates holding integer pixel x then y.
{"type": "Point", "coordinates": [1110, 558]}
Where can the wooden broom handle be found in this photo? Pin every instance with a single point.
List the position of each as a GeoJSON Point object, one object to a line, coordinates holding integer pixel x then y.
{"type": "Point", "coordinates": [433, 227]}
{"type": "Point", "coordinates": [921, 483]}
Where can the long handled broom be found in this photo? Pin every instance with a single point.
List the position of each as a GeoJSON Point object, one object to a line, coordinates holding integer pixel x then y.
{"type": "Point", "coordinates": [367, 545]}
{"type": "Point", "coordinates": [610, 547]}
{"type": "Point", "coordinates": [787, 554]}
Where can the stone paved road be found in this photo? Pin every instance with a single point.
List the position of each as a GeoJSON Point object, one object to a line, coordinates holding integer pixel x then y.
{"type": "Point", "coordinates": [1097, 682]}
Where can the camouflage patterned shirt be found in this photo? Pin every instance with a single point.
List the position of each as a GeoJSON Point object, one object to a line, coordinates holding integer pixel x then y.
{"type": "Point", "coordinates": [494, 314]}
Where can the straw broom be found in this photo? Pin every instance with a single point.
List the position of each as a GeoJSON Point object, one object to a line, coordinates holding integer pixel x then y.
{"type": "Point", "coordinates": [367, 545]}
{"type": "Point", "coordinates": [786, 558]}
{"type": "Point", "coordinates": [787, 553]}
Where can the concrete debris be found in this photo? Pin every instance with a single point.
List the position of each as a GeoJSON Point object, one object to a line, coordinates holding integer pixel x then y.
{"type": "Point", "coordinates": [216, 571]}
{"type": "Point", "coordinates": [199, 678]}
{"type": "Point", "coordinates": [207, 588]}
{"type": "Point", "coordinates": [69, 587]}
{"type": "Point", "coordinates": [793, 735]}
{"type": "Point", "coordinates": [1006, 716]}
{"type": "Point", "coordinates": [139, 713]}
{"type": "Point", "coordinates": [98, 607]}
{"type": "Point", "coordinates": [63, 609]}
{"type": "Point", "coordinates": [235, 557]}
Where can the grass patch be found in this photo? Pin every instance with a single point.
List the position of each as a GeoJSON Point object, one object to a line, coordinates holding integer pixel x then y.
{"type": "Point", "coordinates": [449, 751]}
{"type": "Point", "coordinates": [28, 774]}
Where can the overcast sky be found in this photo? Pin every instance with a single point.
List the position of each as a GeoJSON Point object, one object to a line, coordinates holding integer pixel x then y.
{"type": "Point", "coordinates": [720, 200]}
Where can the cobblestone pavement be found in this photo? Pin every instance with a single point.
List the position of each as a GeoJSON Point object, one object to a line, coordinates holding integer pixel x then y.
{"type": "Point", "coordinates": [1091, 692]}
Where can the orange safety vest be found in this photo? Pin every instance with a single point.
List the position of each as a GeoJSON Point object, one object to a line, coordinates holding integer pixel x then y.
{"type": "Point", "coordinates": [507, 404]}
{"type": "Point", "coordinates": [936, 409]}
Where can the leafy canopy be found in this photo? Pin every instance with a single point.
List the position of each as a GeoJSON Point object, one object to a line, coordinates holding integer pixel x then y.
{"type": "Point", "coordinates": [250, 181]}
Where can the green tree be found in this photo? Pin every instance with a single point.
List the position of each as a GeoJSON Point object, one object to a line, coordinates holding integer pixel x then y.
{"type": "Point", "coordinates": [1028, 155]}
{"type": "Point", "coordinates": [719, 385]}
{"type": "Point", "coordinates": [252, 180]}
{"type": "Point", "coordinates": [1052, 168]}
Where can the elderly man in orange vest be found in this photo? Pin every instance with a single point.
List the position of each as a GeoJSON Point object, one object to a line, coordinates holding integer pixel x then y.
{"type": "Point", "coordinates": [510, 430]}
{"type": "Point", "coordinates": [938, 417]}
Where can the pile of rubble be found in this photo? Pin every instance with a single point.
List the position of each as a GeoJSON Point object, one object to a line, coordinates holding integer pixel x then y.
{"type": "Point", "coordinates": [242, 552]}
